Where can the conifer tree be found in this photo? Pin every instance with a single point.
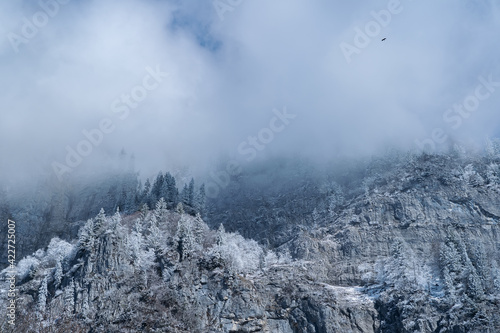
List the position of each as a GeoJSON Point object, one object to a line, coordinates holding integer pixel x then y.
{"type": "Point", "coordinates": [58, 273]}
{"type": "Point", "coordinates": [69, 298]}
{"type": "Point", "coordinates": [186, 242]}
{"type": "Point", "coordinates": [200, 200]}
{"type": "Point", "coordinates": [42, 296]}
{"type": "Point", "coordinates": [156, 190]}
{"type": "Point", "coordinates": [185, 195]}
{"type": "Point", "coordinates": [145, 192]}
{"type": "Point", "coordinates": [155, 238]}
{"type": "Point", "coordinates": [199, 229]}
{"type": "Point", "coordinates": [99, 222]}
{"type": "Point", "coordinates": [190, 194]}
{"type": "Point", "coordinates": [170, 192]}
{"type": "Point", "coordinates": [221, 235]}
{"type": "Point", "coordinates": [144, 212]}
{"type": "Point", "coordinates": [86, 236]}
{"type": "Point", "coordinates": [180, 208]}
{"type": "Point", "coordinates": [160, 210]}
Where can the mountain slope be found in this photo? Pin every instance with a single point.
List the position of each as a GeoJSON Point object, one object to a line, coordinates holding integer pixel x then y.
{"type": "Point", "coordinates": [411, 246]}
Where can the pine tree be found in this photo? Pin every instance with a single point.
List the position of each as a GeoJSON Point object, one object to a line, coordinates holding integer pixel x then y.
{"type": "Point", "coordinates": [139, 257]}
{"type": "Point", "coordinates": [128, 185]}
{"type": "Point", "coordinates": [117, 218]}
{"type": "Point", "coordinates": [156, 190]}
{"type": "Point", "coordinates": [220, 242]}
{"type": "Point", "coordinates": [449, 283]}
{"type": "Point", "coordinates": [479, 260]}
{"type": "Point", "coordinates": [146, 192]}
{"type": "Point", "coordinates": [221, 235]}
{"type": "Point", "coordinates": [200, 200]}
{"type": "Point", "coordinates": [199, 229]}
{"type": "Point", "coordinates": [161, 210]}
{"type": "Point", "coordinates": [42, 297]}
{"type": "Point", "coordinates": [170, 192]}
{"type": "Point", "coordinates": [86, 236]}
{"type": "Point", "coordinates": [138, 194]}
{"type": "Point", "coordinates": [474, 288]}
{"type": "Point", "coordinates": [69, 298]}
{"type": "Point", "coordinates": [99, 222]}
{"type": "Point", "coordinates": [116, 224]}
{"type": "Point", "coordinates": [155, 239]}
{"type": "Point", "coordinates": [180, 208]}
{"type": "Point", "coordinates": [186, 243]}
{"type": "Point", "coordinates": [190, 194]}
{"type": "Point", "coordinates": [58, 273]}
{"type": "Point", "coordinates": [185, 195]}
{"type": "Point", "coordinates": [85, 305]}
{"type": "Point", "coordinates": [450, 257]}
{"type": "Point", "coordinates": [404, 270]}
{"type": "Point", "coordinates": [144, 213]}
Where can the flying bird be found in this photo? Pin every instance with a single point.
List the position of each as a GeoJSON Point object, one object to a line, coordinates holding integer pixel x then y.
{"type": "Point", "coordinates": [383, 39]}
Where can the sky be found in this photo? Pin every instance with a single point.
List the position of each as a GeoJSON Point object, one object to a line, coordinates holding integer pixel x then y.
{"type": "Point", "coordinates": [195, 82]}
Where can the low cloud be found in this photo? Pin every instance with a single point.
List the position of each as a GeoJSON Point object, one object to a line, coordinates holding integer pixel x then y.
{"type": "Point", "coordinates": [226, 76]}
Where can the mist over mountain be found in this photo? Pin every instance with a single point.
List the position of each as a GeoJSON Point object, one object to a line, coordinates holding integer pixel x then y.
{"type": "Point", "coordinates": [249, 166]}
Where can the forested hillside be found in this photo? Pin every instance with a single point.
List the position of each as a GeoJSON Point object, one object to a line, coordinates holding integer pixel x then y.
{"type": "Point", "coordinates": [49, 208]}
{"type": "Point", "coordinates": [402, 243]}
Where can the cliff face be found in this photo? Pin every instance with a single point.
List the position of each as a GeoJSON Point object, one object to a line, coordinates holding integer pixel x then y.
{"type": "Point", "coordinates": [416, 251]}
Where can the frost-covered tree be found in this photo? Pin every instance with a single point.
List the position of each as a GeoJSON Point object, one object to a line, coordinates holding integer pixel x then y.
{"type": "Point", "coordinates": [180, 208]}
{"type": "Point", "coordinates": [100, 223]}
{"type": "Point", "coordinates": [200, 200]}
{"type": "Point", "coordinates": [127, 191]}
{"type": "Point", "coordinates": [186, 242]}
{"type": "Point", "coordinates": [69, 298]}
{"type": "Point", "coordinates": [199, 229]}
{"type": "Point", "coordinates": [191, 194]}
{"type": "Point", "coordinates": [480, 262]}
{"type": "Point", "coordinates": [156, 239]}
{"type": "Point", "coordinates": [404, 270]}
{"type": "Point", "coordinates": [157, 188]}
{"type": "Point", "coordinates": [334, 197]}
{"type": "Point", "coordinates": [144, 212]}
{"type": "Point", "coordinates": [58, 274]}
{"type": "Point", "coordinates": [272, 258]}
{"type": "Point", "coordinates": [27, 267]}
{"type": "Point", "coordinates": [450, 257]}
{"type": "Point", "coordinates": [452, 268]}
{"type": "Point", "coordinates": [221, 235]}
{"type": "Point", "coordinates": [42, 296]}
{"type": "Point", "coordinates": [185, 195]}
{"type": "Point", "coordinates": [144, 198]}
{"type": "Point", "coordinates": [493, 174]}
{"type": "Point", "coordinates": [238, 254]}
{"type": "Point", "coordinates": [87, 236]}
{"type": "Point", "coordinates": [368, 184]}
{"type": "Point", "coordinates": [170, 192]}
{"type": "Point", "coordinates": [116, 219]}
{"type": "Point", "coordinates": [161, 210]}
{"type": "Point", "coordinates": [139, 256]}
{"type": "Point", "coordinates": [493, 148]}
{"type": "Point", "coordinates": [459, 270]}
{"type": "Point", "coordinates": [474, 286]}
{"type": "Point", "coordinates": [471, 177]}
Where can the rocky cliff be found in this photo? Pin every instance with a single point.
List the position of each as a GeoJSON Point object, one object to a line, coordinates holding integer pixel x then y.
{"type": "Point", "coordinates": [415, 250]}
